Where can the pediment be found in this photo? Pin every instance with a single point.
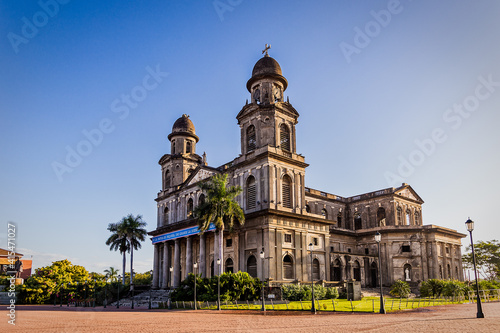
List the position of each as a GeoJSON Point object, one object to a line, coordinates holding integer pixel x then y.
{"type": "Point", "coordinates": [408, 192]}
{"type": "Point", "coordinates": [199, 174]}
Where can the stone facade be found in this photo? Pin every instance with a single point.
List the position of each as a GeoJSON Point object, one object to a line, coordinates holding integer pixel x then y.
{"type": "Point", "coordinates": [283, 216]}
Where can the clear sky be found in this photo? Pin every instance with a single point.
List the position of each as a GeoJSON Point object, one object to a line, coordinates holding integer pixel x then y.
{"type": "Point", "coordinates": [387, 91]}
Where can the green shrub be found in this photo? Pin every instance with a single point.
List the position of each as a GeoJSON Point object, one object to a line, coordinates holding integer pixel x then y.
{"type": "Point", "coordinates": [454, 288]}
{"type": "Point", "coordinates": [295, 292]}
{"type": "Point", "coordinates": [400, 289]}
{"type": "Point", "coordinates": [431, 287]}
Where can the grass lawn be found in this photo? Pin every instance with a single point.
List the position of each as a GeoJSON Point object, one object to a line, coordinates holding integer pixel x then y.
{"type": "Point", "coordinates": [367, 304]}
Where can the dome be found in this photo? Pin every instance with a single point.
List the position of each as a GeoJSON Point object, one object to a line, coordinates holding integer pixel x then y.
{"type": "Point", "coordinates": [267, 67]}
{"type": "Point", "coordinates": [183, 126]}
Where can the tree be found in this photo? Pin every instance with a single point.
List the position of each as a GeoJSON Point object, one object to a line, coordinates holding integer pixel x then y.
{"type": "Point", "coordinates": [118, 241]}
{"type": "Point", "coordinates": [135, 234]}
{"type": "Point", "coordinates": [112, 274]}
{"type": "Point", "coordinates": [219, 208]}
{"type": "Point", "coordinates": [61, 279]}
{"type": "Point", "coordinates": [487, 259]}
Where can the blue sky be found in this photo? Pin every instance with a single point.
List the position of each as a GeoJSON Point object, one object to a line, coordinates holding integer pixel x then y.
{"type": "Point", "coordinates": [387, 91]}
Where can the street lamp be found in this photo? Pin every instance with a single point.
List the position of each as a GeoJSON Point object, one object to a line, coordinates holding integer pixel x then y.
{"type": "Point", "coordinates": [470, 227]}
{"type": "Point", "coordinates": [118, 296]}
{"type": "Point", "coordinates": [218, 284]}
{"type": "Point", "coordinates": [313, 308]}
{"type": "Point", "coordinates": [195, 265]}
{"type": "Point", "coordinates": [262, 257]}
{"type": "Point", "coordinates": [378, 238]}
{"type": "Point", "coordinates": [171, 269]}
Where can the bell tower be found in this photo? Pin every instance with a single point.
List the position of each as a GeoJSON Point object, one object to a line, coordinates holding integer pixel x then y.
{"type": "Point", "coordinates": [268, 120]}
{"type": "Point", "coordinates": [182, 160]}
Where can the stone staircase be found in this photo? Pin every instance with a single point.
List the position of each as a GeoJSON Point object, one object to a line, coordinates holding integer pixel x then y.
{"type": "Point", "coordinates": [142, 299]}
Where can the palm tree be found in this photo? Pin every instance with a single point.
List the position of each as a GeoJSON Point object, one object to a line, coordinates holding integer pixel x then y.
{"type": "Point", "coordinates": [111, 273]}
{"type": "Point", "coordinates": [219, 208]}
{"type": "Point", "coordinates": [118, 241]}
{"type": "Point", "coordinates": [135, 234]}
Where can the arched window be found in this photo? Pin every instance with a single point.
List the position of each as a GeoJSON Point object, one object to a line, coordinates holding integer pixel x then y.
{"type": "Point", "coordinates": [251, 192]}
{"type": "Point", "coordinates": [324, 213]}
{"type": "Point", "coordinates": [188, 147]}
{"type": "Point", "coordinates": [284, 137]}
{"type": "Point", "coordinates": [288, 267]}
{"type": "Point", "coordinates": [381, 216]}
{"type": "Point", "coordinates": [201, 199]}
{"type": "Point", "coordinates": [356, 269]}
{"type": "Point", "coordinates": [189, 208]}
{"type": "Point", "coordinates": [400, 215]}
{"type": "Point", "coordinates": [252, 266]}
{"type": "Point", "coordinates": [417, 218]}
{"type": "Point", "coordinates": [336, 271]}
{"type": "Point", "coordinates": [286, 189]}
{"type": "Point", "coordinates": [251, 138]}
{"type": "Point", "coordinates": [315, 269]}
{"type": "Point", "coordinates": [165, 216]}
{"type": "Point", "coordinates": [167, 179]}
{"type": "Point", "coordinates": [308, 209]}
{"type": "Point", "coordinates": [339, 220]}
{"type": "Point", "coordinates": [440, 272]}
{"type": "Point", "coordinates": [449, 271]}
{"type": "Point", "coordinates": [229, 265]}
{"type": "Point", "coordinates": [373, 274]}
{"type": "Point", "coordinates": [407, 272]}
{"type": "Point", "coordinates": [408, 216]}
{"type": "Point", "coordinates": [358, 223]}
{"type": "Point", "coordinates": [173, 146]}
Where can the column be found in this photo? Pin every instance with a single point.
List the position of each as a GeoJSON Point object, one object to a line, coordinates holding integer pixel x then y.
{"type": "Point", "coordinates": [177, 264]}
{"type": "Point", "coordinates": [435, 261]}
{"type": "Point", "coordinates": [166, 268]}
{"type": "Point", "coordinates": [189, 256]}
{"type": "Point", "coordinates": [202, 262]}
{"type": "Point", "coordinates": [156, 266]}
{"type": "Point", "coordinates": [241, 249]}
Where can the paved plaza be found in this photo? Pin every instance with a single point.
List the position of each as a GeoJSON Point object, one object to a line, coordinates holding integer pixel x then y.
{"type": "Point", "coordinates": [449, 318]}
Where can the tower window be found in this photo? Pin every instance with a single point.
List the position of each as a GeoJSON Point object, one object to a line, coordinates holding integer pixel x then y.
{"type": "Point", "coordinates": [229, 242]}
{"type": "Point", "coordinates": [400, 215]}
{"type": "Point", "coordinates": [173, 147]}
{"type": "Point", "coordinates": [408, 214]}
{"type": "Point", "coordinates": [284, 137]}
{"type": "Point", "coordinates": [288, 238]}
{"type": "Point", "coordinates": [358, 223]}
{"type": "Point", "coordinates": [188, 147]}
{"type": "Point", "coordinates": [324, 213]}
{"type": "Point", "coordinates": [308, 209]}
{"type": "Point", "coordinates": [165, 216]}
{"type": "Point", "coordinates": [167, 179]}
{"type": "Point", "coordinates": [190, 208]}
{"type": "Point", "coordinates": [339, 220]}
{"type": "Point", "coordinates": [251, 192]}
{"type": "Point", "coordinates": [406, 248]}
{"type": "Point", "coordinates": [286, 189]}
{"type": "Point", "coordinates": [417, 218]}
{"type": "Point", "coordinates": [251, 138]}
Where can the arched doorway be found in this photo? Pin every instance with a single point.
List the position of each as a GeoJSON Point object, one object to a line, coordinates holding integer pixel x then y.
{"type": "Point", "coordinates": [336, 271]}
{"type": "Point", "coordinates": [356, 270]}
{"type": "Point", "coordinates": [315, 268]}
{"type": "Point", "coordinates": [229, 265]}
{"type": "Point", "coordinates": [288, 267]}
{"type": "Point", "coordinates": [252, 266]}
{"type": "Point", "coordinates": [373, 274]}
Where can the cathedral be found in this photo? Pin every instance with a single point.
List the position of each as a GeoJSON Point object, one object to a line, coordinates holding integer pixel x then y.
{"type": "Point", "coordinates": [292, 233]}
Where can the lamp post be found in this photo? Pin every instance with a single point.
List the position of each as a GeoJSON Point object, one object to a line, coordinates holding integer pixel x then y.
{"type": "Point", "coordinates": [171, 269]}
{"type": "Point", "coordinates": [106, 293]}
{"type": "Point", "coordinates": [118, 296]}
{"type": "Point", "coordinates": [378, 238]}
{"type": "Point", "coordinates": [218, 284]}
{"type": "Point", "coordinates": [470, 227]}
{"type": "Point", "coordinates": [262, 257]}
{"type": "Point", "coordinates": [195, 266]}
{"type": "Point", "coordinates": [313, 308]}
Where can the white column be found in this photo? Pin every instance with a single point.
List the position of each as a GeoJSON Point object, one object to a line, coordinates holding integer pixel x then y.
{"type": "Point", "coordinates": [166, 270]}
{"type": "Point", "coordinates": [156, 266]}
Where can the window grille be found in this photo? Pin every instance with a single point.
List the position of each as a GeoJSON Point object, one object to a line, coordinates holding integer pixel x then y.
{"type": "Point", "coordinates": [251, 192]}
{"type": "Point", "coordinates": [251, 138]}
{"type": "Point", "coordinates": [284, 137]}
{"type": "Point", "coordinates": [287, 192]}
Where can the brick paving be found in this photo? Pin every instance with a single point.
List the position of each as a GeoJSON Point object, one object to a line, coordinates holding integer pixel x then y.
{"type": "Point", "coordinates": [448, 318]}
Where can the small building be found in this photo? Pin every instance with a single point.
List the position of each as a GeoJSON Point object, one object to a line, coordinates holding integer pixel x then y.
{"type": "Point", "coordinates": [284, 216]}
{"type": "Point", "coordinates": [7, 263]}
